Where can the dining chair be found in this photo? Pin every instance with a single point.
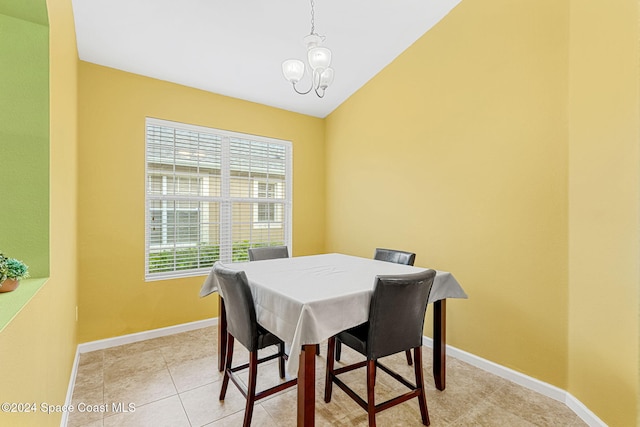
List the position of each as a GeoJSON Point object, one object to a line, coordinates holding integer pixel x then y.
{"type": "Point", "coordinates": [389, 255]}
{"type": "Point", "coordinates": [255, 254]}
{"type": "Point", "coordinates": [392, 255]}
{"type": "Point", "coordinates": [396, 319]}
{"type": "Point", "coordinates": [243, 326]}
{"type": "Point", "coordinates": [268, 252]}
{"type": "Point", "coordinates": [272, 252]}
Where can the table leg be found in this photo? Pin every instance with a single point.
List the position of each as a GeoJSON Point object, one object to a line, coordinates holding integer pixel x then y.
{"type": "Point", "coordinates": [440, 343]}
{"type": "Point", "coordinates": [306, 386]}
{"type": "Point", "coordinates": [222, 334]}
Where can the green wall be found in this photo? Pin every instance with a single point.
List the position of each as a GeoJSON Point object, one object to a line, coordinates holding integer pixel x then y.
{"type": "Point", "coordinates": [24, 135]}
{"type": "Point", "coordinates": [44, 331]}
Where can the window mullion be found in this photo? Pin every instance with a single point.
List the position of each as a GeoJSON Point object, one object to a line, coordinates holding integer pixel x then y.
{"type": "Point", "coordinates": [226, 243]}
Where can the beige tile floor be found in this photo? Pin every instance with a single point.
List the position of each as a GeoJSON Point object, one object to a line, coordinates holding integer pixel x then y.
{"type": "Point", "coordinates": [173, 381]}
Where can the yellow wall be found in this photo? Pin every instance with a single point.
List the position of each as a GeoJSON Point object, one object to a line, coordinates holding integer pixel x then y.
{"type": "Point", "coordinates": [114, 298]}
{"type": "Point", "coordinates": [604, 173]}
{"type": "Point", "coordinates": [39, 345]}
{"type": "Point", "coordinates": [503, 146]}
{"type": "Point", "coordinates": [458, 151]}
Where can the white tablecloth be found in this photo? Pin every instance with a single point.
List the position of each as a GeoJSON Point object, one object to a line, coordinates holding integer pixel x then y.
{"type": "Point", "coordinates": [306, 300]}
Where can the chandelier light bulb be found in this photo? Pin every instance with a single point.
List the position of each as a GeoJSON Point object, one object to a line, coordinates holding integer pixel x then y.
{"type": "Point", "coordinates": [319, 57]}
{"type": "Point", "coordinates": [326, 78]}
{"type": "Point", "coordinates": [293, 70]}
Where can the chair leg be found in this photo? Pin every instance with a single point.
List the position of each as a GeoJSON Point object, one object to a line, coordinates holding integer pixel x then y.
{"type": "Point", "coordinates": [422, 399]}
{"type": "Point", "coordinates": [338, 349]}
{"type": "Point", "coordinates": [371, 400]}
{"type": "Point", "coordinates": [328, 381]}
{"type": "Point", "coordinates": [408, 353]}
{"type": "Point", "coordinates": [229, 360]}
{"type": "Point", "coordinates": [222, 334]}
{"type": "Point", "coordinates": [251, 388]}
{"type": "Point", "coordinates": [281, 359]}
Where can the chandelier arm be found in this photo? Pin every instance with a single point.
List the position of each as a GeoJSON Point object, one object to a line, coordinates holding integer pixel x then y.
{"type": "Point", "coordinates": [318, 93]}
{"type": "Point", "coordinates": [301, 93]}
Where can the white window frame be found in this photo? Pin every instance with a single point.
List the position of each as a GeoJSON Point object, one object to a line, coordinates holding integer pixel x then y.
{"type": "Point", "coordinates": [225, 200]}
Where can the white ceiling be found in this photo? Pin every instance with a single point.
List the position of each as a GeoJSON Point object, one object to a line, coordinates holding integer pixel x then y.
{"type": "Point", "coordinates": [236, 47]}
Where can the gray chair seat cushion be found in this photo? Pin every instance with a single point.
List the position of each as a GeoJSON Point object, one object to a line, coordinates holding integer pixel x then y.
{"type": "Point", "coordinates": [356, 337]}
{"type": "Point", "coordinates": [266, 338]}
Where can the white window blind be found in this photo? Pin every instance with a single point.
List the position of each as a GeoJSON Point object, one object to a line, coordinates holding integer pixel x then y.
{"type": "Point", "coordinates": [211, 195]}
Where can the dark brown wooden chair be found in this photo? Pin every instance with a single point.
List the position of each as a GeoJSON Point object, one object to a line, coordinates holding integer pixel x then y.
{"type": "Point", "coordinates": [268, 252]}
{"type": "Point", "coordinates": [388, 255]}
{"type": "Point", "coordinates": [255, 254]}
{"type": "Point", "coordinates": [392, 255]}
{"type": "Point", "coordinates": [396, 319]}
{"type": "Point", "coordinates": [243, 326]}
{"type": "Point", "coordinates": [271, 252]}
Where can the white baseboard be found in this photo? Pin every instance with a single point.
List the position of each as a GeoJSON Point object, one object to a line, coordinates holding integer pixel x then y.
{"type": "Point", "coordinates": [509, 374]}
{"type": "Point", "coordinates": [126, 339]}
{"type": "Point", "coordinates": [583, 412]}
{"type": "Point", "coordinates": [525, 381]}
{"type": "Point", "coordinates": [72, 381]}
{"type": "Point", "coordinates": [145, 335]}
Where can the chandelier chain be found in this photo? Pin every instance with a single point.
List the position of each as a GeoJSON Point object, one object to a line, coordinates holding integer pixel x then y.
{"type": "Point", "coordinates": [313, 23]}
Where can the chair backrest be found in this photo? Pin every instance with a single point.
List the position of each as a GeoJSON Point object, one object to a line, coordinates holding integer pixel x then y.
{"type": "Point", "coordinates": [269, 252]}
{"type": "Point", "coordinates": [398, 257]}
{"type": "Point", "coordinates": [397, 311]}
{"type": "Point", "coordinates": [239, 306]}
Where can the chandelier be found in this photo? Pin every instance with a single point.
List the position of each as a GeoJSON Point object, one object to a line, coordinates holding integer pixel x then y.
{"type": "Point", "coordinates": [319, 59]}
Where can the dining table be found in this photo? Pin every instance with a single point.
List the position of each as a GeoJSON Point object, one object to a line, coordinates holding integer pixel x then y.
{"type": "Point", "coordinates": [305, 300]}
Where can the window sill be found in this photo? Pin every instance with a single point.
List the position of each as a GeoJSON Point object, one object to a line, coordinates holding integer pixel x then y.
{"type": "Point", "coordinates": [11, 303]}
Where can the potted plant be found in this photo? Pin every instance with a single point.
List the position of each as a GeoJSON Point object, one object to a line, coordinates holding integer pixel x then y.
{"type": "Point", "coordinates": [11, 271]}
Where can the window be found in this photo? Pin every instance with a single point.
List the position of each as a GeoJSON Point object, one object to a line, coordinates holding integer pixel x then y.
{"type": "Point", "coordinates": [211, 195]}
